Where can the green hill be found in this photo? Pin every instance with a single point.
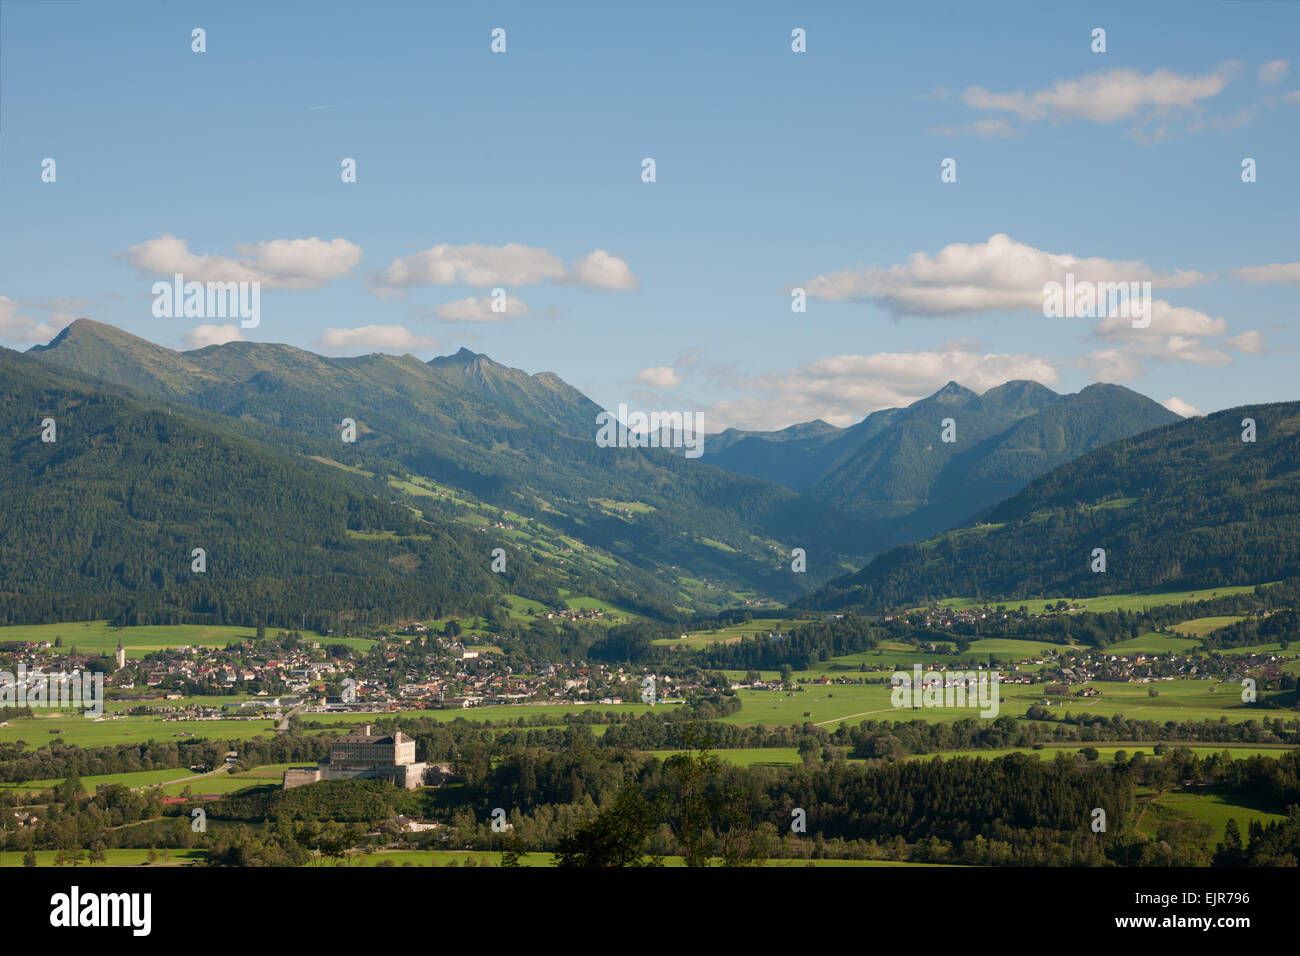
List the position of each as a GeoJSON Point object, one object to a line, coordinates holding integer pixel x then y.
{"type": "Point", "coordinates": [519, 442]}
{"type": "Point", "coordinates": [1188, 505]}
{"type": "Point", "coordinates": [103, 521]}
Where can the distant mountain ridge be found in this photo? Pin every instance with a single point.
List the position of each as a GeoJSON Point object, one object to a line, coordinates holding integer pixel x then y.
{"type": "Point", "coordinates": [894, 471]}
{"type": "Point", "coordinates": [1188, 505]}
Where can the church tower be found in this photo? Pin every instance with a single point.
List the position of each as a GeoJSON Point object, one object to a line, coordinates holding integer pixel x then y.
{"type": "Point", "coordinates": [120, 656]}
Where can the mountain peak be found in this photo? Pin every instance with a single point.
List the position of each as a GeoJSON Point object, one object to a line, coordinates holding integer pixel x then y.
{"type": "Point", "coordinates": [84, 329]}
{"type": "Point", "coordinates": [950, 393]}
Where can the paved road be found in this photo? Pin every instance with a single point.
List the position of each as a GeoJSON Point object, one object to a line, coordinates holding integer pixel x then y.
{"type": "Point", "coordinates": [224, 768]}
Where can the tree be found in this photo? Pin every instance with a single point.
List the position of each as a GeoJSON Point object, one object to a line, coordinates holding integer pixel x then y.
{"type": "Point", "coordinates": [614, 837]}
{"type": "Point", "coordinates": [787, 675]}
{"type": "Point", "coordinates": [29, 858]}
{"type": "Point", "coordinates": [512, 848]}
{"type": "Point", "coordinates": [1230, 852]}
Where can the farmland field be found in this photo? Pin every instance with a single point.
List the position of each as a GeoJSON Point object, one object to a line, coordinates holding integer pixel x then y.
{"type": "Point", "coordinates": [1109, 602]}
{"type": "Point", "coordinates": [1213, 808]}
{"type": "Point", "coordinates": [97, 637]}
{"type": "Point", "coordinates": [728, 634]}
{"type": "Point", "coordinates": [1200, 626]}
{"type": "Point", "coordinates": [116, 857]}
{"type": "Point", "coordinates": [85, 732]}
{"type": "Point", "coordinates": [833, 704]}
{"type": "Point", "coordinates": [458, 858]}
{"type": "Point", "coordinates": [1154, 643]}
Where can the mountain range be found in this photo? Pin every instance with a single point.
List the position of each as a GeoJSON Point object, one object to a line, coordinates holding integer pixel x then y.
{"type": "Point", "coordinates": [1186, 506]}
{"type": "Point", "coordinates": [894, 471]}
{"type": "Point", "coordinates": [461, 455]}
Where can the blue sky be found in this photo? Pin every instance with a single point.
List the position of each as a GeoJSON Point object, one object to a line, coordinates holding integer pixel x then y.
{"type": "Point", "coordinates": [774, 170]}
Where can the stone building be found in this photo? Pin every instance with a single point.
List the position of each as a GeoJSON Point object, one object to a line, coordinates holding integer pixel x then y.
{"type": "Point", "coordinates": [365, 755]}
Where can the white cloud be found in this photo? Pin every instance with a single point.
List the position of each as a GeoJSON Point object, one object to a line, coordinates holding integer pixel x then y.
{"type": "Point", "coordinates": [1180, 407]}
{"type": "Point", "coordinates": [480, 309]}
{"type": "Point", "coordinates": [1000, 274]}
{"type": "Point", "coordinates": [1103, 97]}
{"type": "Point", "coordinates": [509, 265]}
{"type": "Point", "coordinates": [1251, 341]}
{"type": "Point", "coordinates": [26, 328]}
{"type": "Point", "coordinates": [1175, 334]}
{"type": "Point", "coordinates": [203, 335]}
{"type": "Point", "coordinates": [1166, 320]}
{"type": "Point", "coordinates": [600, 270]}
{"type": "Point", "coordinates": [843, 389]}
{"type": "Point", "coordinates": [277, 264]}
{"type": "Point", "coordinates": [1287, 273]}
{"type": "Point", "coordinates": [1273, 72]}
{"type": "Point", "coordinates": [474, 264]}
{"type": "Point", "coordinates": [379, 338]}
{"type": "Point", "coordinates": [1292, 97]}
{"type": "Point", "coordinates": [660, 376]}
{"type": "Point", "coordinates": [1112, 365]}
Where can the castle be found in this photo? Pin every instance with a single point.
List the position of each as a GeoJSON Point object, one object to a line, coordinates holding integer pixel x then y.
{"type": "Point", "coordinates": [388, 757]}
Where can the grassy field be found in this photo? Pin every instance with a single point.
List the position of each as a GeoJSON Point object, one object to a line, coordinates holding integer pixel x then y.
{"type": "Point", "coordinates": [115, 858]}
{"type": "Point", "coordinates": [1154, 643]}
{"type": "Point", "coordinates": [1215, 809]}
{"type": "Point", "coordinates": [833, 704]}
{"type": "Point", "coordinates": [230, 782]}
{"type": "Point", "coordinates": [1107, 751]}
{"type": "Point", "coordinates": [497, 712]}
{"type": "Point", "coordinates": [748, 756]}
{"type": "Point", "coordinates": [97, 637]}
{"type": "Point", "coordinates": [1109, 602]}
{"type": "Point", "coordinates": [143, 778]}
{"type": "Point", "coordinates": [458, 858]}
{"type": "Point", "coordinates": [117, 706]}
{"type": "Point", "coordinates": [731, 633]}
{"type": "Point", "coordinates": [85, 732]}
{"type": "Point", "coordinates": [1200, 626]}
{"type": "Point", "coordinates": [173, 781]}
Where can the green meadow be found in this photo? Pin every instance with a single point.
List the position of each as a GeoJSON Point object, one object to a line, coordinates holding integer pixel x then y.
{"type": "Point", "coordinates": [727, 634]}
{"type": "Point", "coordinates": [85, 732]}
{"type": "Point", "coordinates": [1153, 643]}
{"type": "Point", "coordinates": [1109, 602]}
{"type": "Point", "coordinates": [97, 637]}
{"type": "Point", "coordinates": [143, 778]}
{"type": "Point", "coordinates": [833, 704]}
{"type": "Point", "coordinates": [1212, 808]}
{"type": "Point", "coordinates": [1200, 626]}
{"type": "Point", "coordinates": [115, 857]}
